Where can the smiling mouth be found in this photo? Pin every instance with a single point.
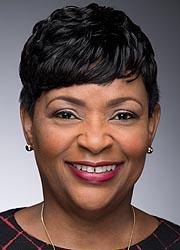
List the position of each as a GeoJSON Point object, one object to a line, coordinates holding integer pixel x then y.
{"type": "Point", "coordinates": [95, 172]}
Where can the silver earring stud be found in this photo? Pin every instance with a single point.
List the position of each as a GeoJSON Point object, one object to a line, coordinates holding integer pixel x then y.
{"type": "Point", "coordinates": [150, 150]}
{"type": "Point", "coordinates": [28, 147]}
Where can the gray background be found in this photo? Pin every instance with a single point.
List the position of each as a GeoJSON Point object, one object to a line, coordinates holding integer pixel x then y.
{"type": "Point", "coordinates": [158, 190]}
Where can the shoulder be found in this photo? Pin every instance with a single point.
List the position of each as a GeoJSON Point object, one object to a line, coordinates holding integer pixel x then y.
{"type": "Point", "coordinates": [6, 219]}
{"type": "Point", "coordinates": [7, 227]}
{"type": "Point", "coordinates": [12, 235]}
{"type": "Point", "coordinates": [168, 229]}
{"type": "Point", "coordinates": [166, 236]}
{"type": "Point", "coordinates": [170, 226]}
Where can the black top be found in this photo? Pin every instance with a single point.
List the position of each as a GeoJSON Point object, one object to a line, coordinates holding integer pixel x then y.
{"type": "Point", "coordinates": [13, 237]}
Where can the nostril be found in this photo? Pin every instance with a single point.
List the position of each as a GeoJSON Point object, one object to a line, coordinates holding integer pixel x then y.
{"type": "Point", "coordinates": [95, 143]}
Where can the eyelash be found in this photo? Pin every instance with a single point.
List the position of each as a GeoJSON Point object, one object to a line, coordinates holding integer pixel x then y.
{"type": "Point", "coordinates": [125, 115]}
{"type": "Point", "coordinates": [60, 115]}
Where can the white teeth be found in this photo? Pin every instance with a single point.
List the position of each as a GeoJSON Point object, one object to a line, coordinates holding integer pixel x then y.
{"type": "Point", "coordinates": [99, 170]}
{"type": "Point", "coordinates": [84, 168]}
{"type": "Point", "coordinates": [90, 169]}
{"type": "Point", "coordinates": [104, 169]}
{"type": "Point", "coordinates": [78, 167]}
{"type": "Point", "coordinates": [108, 168]}
{"type": "Point", "coordinates": [113, 167]}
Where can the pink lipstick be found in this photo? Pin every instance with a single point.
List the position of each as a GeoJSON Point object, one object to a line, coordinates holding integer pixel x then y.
{"type": "Point", "coordinates": [95, 172]}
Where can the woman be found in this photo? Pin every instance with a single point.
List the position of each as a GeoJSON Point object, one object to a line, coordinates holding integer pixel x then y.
{"type": "Point", "coordinates": [89, 110]}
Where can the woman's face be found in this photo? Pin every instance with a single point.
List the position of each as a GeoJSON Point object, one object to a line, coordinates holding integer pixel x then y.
{"type": "Point", "coordinates": [96, 129]}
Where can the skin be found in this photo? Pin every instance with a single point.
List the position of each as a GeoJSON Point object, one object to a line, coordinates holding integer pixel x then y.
{"type": "Point", "coordinates": [79, 214]}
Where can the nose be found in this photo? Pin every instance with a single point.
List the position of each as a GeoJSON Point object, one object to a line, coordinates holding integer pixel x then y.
{"type": "Point", "coordinates": [95, 138]}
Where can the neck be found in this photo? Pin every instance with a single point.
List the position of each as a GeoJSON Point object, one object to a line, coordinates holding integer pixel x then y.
{"type": "Point", "coordinates": [112, 226]}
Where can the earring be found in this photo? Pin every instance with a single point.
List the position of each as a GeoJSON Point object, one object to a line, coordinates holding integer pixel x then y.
{"type": "Point", "coordinates": [150, 150]}
{"type": "Point", "coordinates": [28, 147]}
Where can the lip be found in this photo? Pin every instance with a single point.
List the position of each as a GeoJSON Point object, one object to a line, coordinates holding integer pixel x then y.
{"type": "Point", "coordinates": [96, 164]}
{"type": "Point", "coordinates": [95, 178]}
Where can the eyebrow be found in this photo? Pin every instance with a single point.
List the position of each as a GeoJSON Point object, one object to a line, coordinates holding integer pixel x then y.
{"type": "Point", "coordinates": [69, 99]}
{"type": "Point", "coordinates": [110, 103]}
{"type": "Point", "coordinates": [119, 100]}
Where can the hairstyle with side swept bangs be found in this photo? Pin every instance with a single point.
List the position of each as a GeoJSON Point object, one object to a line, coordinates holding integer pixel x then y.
{"type": "Point", "coordinates": [93, 44]}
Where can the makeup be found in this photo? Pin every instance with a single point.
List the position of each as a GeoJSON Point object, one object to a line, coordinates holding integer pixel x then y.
{"type": "Point", "coordinates": [95, 173]}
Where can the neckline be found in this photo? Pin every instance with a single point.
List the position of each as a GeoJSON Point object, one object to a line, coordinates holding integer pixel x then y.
{"type": "Point", "coordinates": [41, 242]}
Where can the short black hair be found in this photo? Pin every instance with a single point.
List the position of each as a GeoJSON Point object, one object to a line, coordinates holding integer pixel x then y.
{"type": "Point", "coordinates": [92, 44]}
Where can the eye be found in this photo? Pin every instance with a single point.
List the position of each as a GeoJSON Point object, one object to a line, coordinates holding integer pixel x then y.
{"type": "Point", "coordinates": [65, 114]}
{"type": "Point", "coordinates": [124, 115]}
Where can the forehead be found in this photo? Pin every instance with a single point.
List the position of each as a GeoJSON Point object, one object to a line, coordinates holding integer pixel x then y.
{"type": "Point", "coordinates": [94, 94]}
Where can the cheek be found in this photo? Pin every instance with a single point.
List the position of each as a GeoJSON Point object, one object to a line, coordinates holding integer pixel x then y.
{"type": "Point", "coordinates": [134, 146]}
{"type": "Point", "coordinates": [51, 140]}
{"type": "Point", "coordinates": [134, 143]}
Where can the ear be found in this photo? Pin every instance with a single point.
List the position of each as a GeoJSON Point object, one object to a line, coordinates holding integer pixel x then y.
{"type": "Point", "coordinates": [153, 123]}
{"type": "Point", "coordinates": [26, 121]}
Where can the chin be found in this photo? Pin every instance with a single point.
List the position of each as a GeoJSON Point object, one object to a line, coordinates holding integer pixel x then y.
{"type": "Point", "coordinates": [94, 203]}
{"type": "Point", "coordinates": [91, 211]}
